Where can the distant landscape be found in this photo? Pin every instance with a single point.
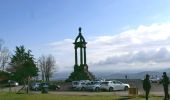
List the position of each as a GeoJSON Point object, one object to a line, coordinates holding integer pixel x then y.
{"type": "Point", "coordinates": [117, 75]}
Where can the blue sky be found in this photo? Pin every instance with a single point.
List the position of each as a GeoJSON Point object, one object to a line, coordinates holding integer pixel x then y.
{"type": "Point", "coordinates": [39, 23]}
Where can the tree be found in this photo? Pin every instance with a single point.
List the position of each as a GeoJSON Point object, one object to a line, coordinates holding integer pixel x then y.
{"type": "Point", "coordinates": [4, 75]}
{"type": "Point", "coordinates": [47, 64]}
{"type": "Point", "coordinates": [22, 65]}
{"type": "Point", "coordinates": [4, 56]}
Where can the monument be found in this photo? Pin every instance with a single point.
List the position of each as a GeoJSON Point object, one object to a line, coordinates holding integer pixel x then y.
{"type": "Point", "coordinates": [80, 68]}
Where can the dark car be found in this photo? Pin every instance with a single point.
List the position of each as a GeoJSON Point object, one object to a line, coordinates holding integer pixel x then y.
{"type": "Point", "coordinates": [44, 87]}
{"type": "Point", "coordinates": [12, 83]}
{"type": "Point", "coordinates": [53, 86]}
{"type": "Point", "coordinates": [44, 84]}
{"type": "Point", "coordinates": [50, 86]}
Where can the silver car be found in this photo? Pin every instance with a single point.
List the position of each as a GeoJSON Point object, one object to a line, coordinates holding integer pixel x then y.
{"type": "Point", "coordinates": [79, 85]}
{"type": "Point", "coordinates": [93, 86]}
{"type": "Point", "coordinates": [35, 86]}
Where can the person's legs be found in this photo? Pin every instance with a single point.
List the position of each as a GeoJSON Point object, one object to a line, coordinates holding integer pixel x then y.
{"type": "Point", "coordinates": [147, 94]}
{"type": "Point", "coordinates": [166, 92]}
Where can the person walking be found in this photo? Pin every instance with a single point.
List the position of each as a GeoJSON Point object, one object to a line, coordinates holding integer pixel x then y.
{"type": "Point", "coordinates": [146, 86]}
{"type": "Point", "coordinates": [165, 82]}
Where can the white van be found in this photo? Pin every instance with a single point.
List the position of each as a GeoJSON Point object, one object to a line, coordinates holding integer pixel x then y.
{"type": "Point", "coordinates": [79, 85]}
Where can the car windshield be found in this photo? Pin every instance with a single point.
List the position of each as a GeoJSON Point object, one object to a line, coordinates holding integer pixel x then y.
{"type": "Point", "coordinates": [118, 82]}
{"type": "Point", "coordinates": [96, 83]}
{"type": "Point", "coordinates": [44, 84]}
{"type": "Point", "coordinates": [37, 84]}
{"type": "Point", "coordinates": [13, 82]}
{"type": "Point", "coordinates": [105, 83]}
{"type": "Point", "coordinates": [75, 83]}
{"type": "Point", "coordinates": [89, 83]}
{"type": "Point", "coordinates": [82, 83]}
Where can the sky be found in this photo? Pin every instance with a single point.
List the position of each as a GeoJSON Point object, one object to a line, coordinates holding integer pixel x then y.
{"type": "Point", "coordinates": [122, 35]}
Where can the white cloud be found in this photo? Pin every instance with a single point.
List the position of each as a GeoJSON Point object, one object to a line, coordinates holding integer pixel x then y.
{"type": "Point", "coordinates": [140, 48]}
{"type": "Point", "coordinates": [154, 56]}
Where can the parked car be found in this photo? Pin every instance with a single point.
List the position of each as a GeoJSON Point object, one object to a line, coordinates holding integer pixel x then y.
{"type": "Point", "coordinates": [93, 86]}
{"type": "Point", "coordinates": [44, 87]}
{"type": "Point", "coordinates": [53, 86]}
{"type": "Point", "coordinates": [35, 86]}
{"type": "Point", "coordinates": [12, 83]}
{"type": "Point", "coordinates": [155, 80]}
{"type": "Point", "coordinates": [50, 86]}
{"type": "Point", "coordinates": [114, 85]}
{"type": "Point", "coordinates": [79, 85]}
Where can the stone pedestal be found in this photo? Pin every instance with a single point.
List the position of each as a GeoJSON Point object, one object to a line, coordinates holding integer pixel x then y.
{"type": "Point", "coordinates": [81, 74]}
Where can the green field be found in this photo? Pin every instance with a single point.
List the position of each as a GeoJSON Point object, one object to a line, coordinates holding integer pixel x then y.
{"type": "Point", "coordinates": [12, 96]}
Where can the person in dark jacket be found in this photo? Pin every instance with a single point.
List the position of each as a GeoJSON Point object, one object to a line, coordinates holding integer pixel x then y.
{"type": "Point", "coordinates": [146, 86]}
{"type": "Point", "coordinates": [165, 82]}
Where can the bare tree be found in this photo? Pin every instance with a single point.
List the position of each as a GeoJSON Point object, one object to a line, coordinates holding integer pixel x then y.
{"type": "Point", "coordinates": [47, 66]}
{"type": "Point", "coordinates": [42, 65]}
{"type": "Point", "coordinates": [4, 55]}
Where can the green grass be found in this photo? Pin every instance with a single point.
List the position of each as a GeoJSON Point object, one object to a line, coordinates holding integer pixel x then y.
{"type": "Point", "coordinates": [12, 96]}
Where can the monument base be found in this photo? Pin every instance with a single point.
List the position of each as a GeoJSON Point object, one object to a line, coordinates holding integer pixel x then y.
{"type": "Point", "coordinates": [81, 73]}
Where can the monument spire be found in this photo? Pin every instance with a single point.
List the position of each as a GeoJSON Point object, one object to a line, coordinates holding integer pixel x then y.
{"type": "Point", "coordinates": [79, 29]}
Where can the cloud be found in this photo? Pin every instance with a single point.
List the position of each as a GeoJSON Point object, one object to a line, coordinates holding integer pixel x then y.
{"type": "Point", "coordinates": [141, 47]}
{"type": "Point", "coordinates": [162, 55]}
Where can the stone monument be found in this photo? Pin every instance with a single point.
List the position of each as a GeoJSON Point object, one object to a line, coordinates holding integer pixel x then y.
{"type": "Point", "coordinates": [80, 68]}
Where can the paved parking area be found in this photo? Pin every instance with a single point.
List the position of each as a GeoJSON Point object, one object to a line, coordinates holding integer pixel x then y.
{"type": "Point", "coordinates": [156, 89]}
{"type": "Point", "coordinates": [86, 93]}
{"type": "Point", "coordinates": [119, 93]}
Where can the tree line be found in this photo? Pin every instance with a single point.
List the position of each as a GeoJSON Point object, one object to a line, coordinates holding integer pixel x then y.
{"type": "Point", "coordinates": [22, 66]}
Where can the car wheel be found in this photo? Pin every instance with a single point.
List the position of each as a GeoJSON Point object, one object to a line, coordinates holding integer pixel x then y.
{"type": "Point", "coordinates": [126, 88]}
{"type": "Point", "coordinates": [97, 89]}
{"type": "Point", "coordinates": [82, 89]}
{"type": "Point", "coordinates": [111, 89]}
